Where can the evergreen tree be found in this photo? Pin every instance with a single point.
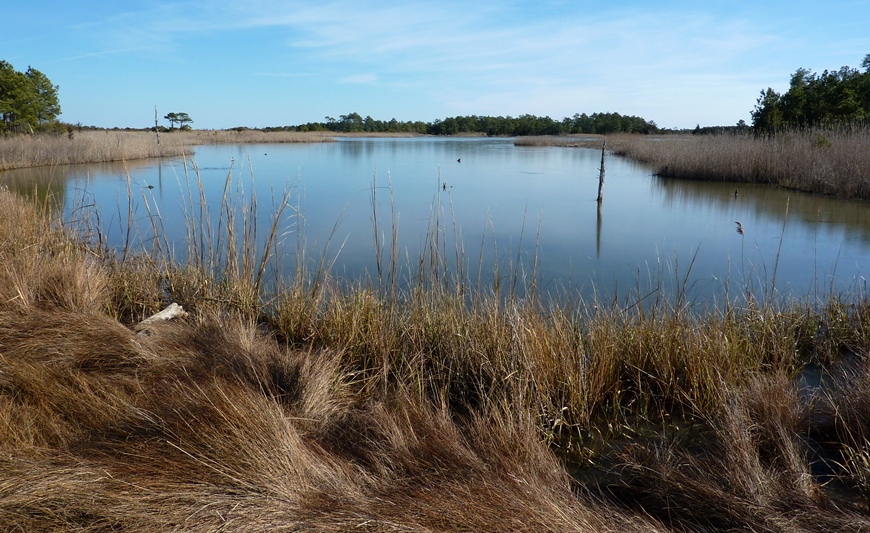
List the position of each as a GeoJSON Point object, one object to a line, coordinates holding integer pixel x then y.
{"type": "Point", "coordinates": [832, 97]}
{"type": "Point", "coordinates": [28, 100]}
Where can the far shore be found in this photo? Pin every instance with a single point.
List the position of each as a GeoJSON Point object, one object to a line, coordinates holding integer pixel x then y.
{"type": "Point", "coordinates": [828, 162]}
{"type": "Point", "coordinates": [102, 146]}
{"type": "Point", "coordinates": [108, 145]}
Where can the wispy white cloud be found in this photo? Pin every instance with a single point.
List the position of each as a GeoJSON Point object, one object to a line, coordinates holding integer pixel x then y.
{"type": "Point", "coordinates": [284, 74]}
{"type": "Point", "coordinates": [359, 79]}
{"type": "Point", "coordinates": [484, 57]}
{"type": "Point", "coordinates": [101, 53]}
{"type": "Point", "coordinates": [452, 40]}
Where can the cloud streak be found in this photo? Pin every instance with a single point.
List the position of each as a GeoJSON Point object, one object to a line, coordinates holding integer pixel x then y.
{"type": "Point", "coordinates": [360, 79]}
{"type": "Point", "coordinates": [493, 57]}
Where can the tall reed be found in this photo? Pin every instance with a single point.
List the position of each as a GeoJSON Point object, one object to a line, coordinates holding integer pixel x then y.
{"type": "Point", "coordinates": [834, 162]}
{"type": "Point", "coordinates": [824, 161]}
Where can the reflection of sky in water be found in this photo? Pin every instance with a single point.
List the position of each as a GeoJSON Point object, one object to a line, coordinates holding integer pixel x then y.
{"type": "Point", "coordinates": [649, 228]}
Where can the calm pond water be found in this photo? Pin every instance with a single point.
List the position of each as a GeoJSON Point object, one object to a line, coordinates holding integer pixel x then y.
{"type": "Point", "coordinates": [506, 204]}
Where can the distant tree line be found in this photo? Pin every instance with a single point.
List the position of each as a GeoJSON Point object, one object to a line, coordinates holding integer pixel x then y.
{"type": "Point", "coordinates": [840, 97]}
{"type": "Point", "coordinates": [600, 123]}
{"type": "Point", "coordinates": [28, 100]}
{"type": "Point", "coordinates": [741, 127]}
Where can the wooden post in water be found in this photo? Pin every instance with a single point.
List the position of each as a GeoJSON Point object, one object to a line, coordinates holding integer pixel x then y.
{"type": "Point", "coordinates": [157, 130]}
{"type": "Point", "coordinates": [601, 173]}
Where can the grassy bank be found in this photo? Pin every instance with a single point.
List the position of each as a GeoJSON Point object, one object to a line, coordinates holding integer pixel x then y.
{"type": "Point", "coordinates": [22, 151]}
{"type": "Point", "coordinates": [823, 161]}
{"type": "Point", "coordinates": [414, 406]}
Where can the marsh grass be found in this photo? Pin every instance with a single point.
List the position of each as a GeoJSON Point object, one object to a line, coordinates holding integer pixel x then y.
{"type": "Point", "coordinates": [409, 401]}
{"type": "Point", "coordinates": [834, 162]}
{"type": "Point", "coordinates": [89, 146]}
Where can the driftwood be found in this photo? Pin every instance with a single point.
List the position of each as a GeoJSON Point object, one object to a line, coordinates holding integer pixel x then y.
{"type": "Point", "coordinates": [172, 311]}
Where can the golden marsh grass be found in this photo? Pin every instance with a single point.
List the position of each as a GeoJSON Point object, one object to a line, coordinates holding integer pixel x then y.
{"type": "Point", "coordinates": [835, 162]}
{"type": "Point", "coordinates": [319, 405]}
{"type": "Point", "coordinates": [98, 146]}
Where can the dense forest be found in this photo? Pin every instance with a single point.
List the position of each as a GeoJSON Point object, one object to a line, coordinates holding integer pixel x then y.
{"type": "Point", "coordinates": [832, 98]}
{"type": "Point", "coordinates": [502, 126]}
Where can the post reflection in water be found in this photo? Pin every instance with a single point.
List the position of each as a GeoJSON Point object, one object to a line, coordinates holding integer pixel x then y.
{"type": "Point", "coordinates": [598, 232]}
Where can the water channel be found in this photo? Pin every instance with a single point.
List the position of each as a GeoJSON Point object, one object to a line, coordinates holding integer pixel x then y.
{"type": "Point", "coordinates": [503, 204]}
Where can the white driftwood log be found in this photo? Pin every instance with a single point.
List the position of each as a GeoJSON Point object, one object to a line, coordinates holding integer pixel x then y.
{"type": "Point", "coordinates": [173, 310]}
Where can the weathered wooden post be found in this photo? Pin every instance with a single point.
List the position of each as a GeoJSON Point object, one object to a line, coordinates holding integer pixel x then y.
{"type": "Point", "coordinates": [601, 173]}
{"type": "Point", "coordinates": [157, 131]}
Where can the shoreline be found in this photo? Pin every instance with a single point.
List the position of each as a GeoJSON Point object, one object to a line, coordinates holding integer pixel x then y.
{"type": "Point", "coordinates": [833, 163]}
{"type": "Point", "coordinates": [106, 146]}
{"type": "Point", "coordinates": [830, 162]}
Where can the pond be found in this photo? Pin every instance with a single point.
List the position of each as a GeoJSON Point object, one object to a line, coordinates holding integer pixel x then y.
{"type": "Point", "coordinates": [491, 206]}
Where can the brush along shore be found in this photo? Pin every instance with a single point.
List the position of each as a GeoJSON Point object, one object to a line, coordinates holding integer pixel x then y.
{"type": "Point", "coordinates": [834, 162]}
{"type": "Point", "coordinates": [101, 146]}
{"type": "Point", "coordinates": [333, 408]}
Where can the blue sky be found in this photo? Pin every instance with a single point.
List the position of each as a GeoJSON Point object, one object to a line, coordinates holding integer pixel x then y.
{"type": "Point", "coordinates": [270, 63]}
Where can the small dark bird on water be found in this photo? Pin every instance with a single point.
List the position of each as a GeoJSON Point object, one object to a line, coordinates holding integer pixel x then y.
{"type": "Point", "coordinates": [459, 160]}
{"type": "Point", "coordinates": [735, 193]}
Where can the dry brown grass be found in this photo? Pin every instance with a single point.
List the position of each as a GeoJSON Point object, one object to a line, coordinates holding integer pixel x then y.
{"type": "Point", "coordinates": [212, 424]}
{"type": "Point", "coordinates": [333, 408]}
{"type": "Point", "coordinates": [758, 469]}
{"type": "Point", "coordinates": [21, 151]}
{"type": "Point", "coordinates": [568, 141]}
{"type": "Point", "coordinates": [828, 162]}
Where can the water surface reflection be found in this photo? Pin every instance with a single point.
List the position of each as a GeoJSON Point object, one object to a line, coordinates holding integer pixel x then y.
{"type": "Point", "coordinates": [497, 204]}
